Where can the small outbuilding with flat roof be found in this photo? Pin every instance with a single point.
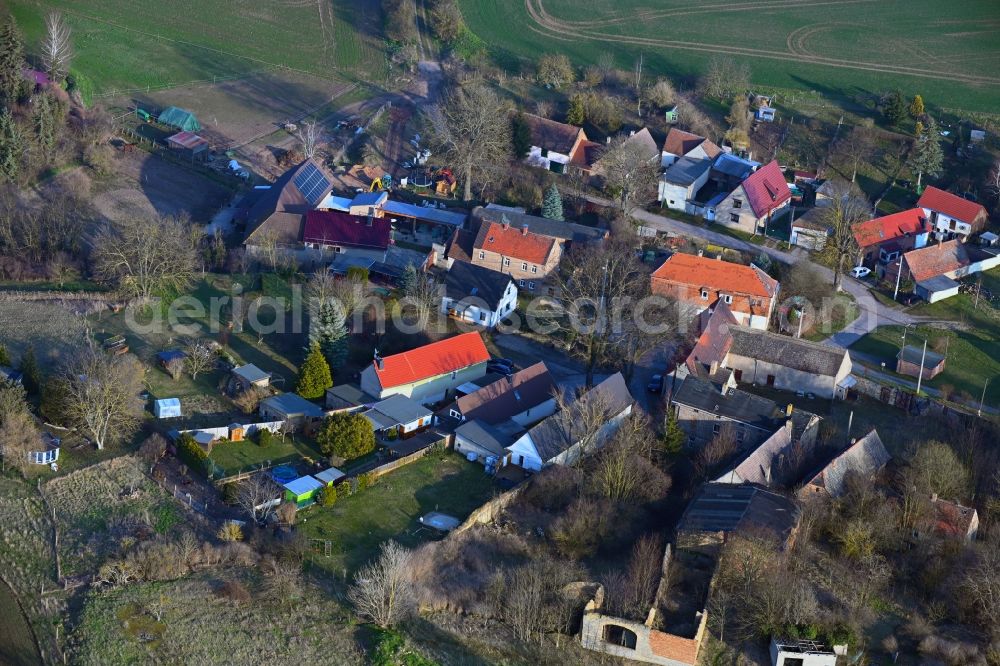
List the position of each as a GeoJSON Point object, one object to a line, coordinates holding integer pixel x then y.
{"type": "Point", "coordinates": [911, 358]}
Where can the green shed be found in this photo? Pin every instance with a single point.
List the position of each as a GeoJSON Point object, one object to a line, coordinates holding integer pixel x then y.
{"type": "Point", "coordinates": [180, 118]}
{"type": "Point", "coordinates": [302, 490]}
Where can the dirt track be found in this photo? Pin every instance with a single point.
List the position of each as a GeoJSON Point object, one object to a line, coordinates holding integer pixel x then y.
{"type": "Point", "coordinates": [553, 28]}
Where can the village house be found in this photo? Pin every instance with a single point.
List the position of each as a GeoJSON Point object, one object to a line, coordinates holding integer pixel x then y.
{"type": "Point", "coordinates": [752, 204]}
{"type": "Point", "coordinates": [720, 509]}
{"type": "Point", "coordinates": [525, 397]}
{"type": "Point", "coordinates": [791, 364]}
{"type": "Point", "coordinates": [347, 398]}
{"type": "Point", "coordinates": [936, 269]}
{"type": "Point", "coordinates": [429, 373]}
{"type": "Point", "coordinates": [801, 652]}
{"type": "Point", "coordinates": [911, 359]}
{"type": "Point", "coordinates": [291, 408]}
{"type": "Point", "coordinates": [593, 152]}
{"type": "Point", "coordinates": [554, 145]}
{"type": "Point", "coordinates": [680, 144]}
{"type": "Point", "coordinates": [882, 240]}
{"type": "Point", "coordinates": [561, 439]}
{"type": "Point", "coordinates": [774, 464]}
{"type": "Point", "coordinates": [810, 231]}
{"type": "Point", "coordinates": [335, 232]}
{"type": "Point", "coordinates": [947, 519]}
{"type": "Point", "coordinates": [249, 376]}
{"type": "Point", "coordinates": [409, 221]}
{"type": "Point", "coordinates": [276, 213]}
{"type": "Point", "coordinates": [698, 283]}
{"type": "Point", "coordinates": [478, 295]}
{"type": "Point", "coordinates": [864, 458]}
{"type": "Point", "coordinates": [398, 416]}
{"type": "Point", "coordinates": [705, 406]}
{"type": "Point", "coordinates": [952, 216]}
{"type": "Point", "coordinates": [681, 182]}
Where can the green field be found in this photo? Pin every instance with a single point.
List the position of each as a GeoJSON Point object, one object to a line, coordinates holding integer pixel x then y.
{"type": "Point", "coordinates": [837, 47]}
{"type": "Point", "coordinates": [17, 647]}
{"type": "Point", "coordinates": [124, 45]}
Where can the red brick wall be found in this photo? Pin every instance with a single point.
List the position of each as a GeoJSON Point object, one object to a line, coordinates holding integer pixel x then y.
{"type": "Point", "coordinates": [673, 647]}
{"type": "Point", "coordinates": [692, 295]}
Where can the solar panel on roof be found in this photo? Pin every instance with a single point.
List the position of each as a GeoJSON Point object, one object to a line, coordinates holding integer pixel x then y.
{"type": "Point", "coordinates": [311, 183]}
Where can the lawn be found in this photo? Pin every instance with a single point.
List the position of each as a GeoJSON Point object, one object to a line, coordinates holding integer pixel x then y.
{"type": "Point", "coordinates": [235, 457]}
{"type": "Point", "coordinates": [17, 647]}
{"type": "Point", "coordinates": [356, 525]}
{"type": "Point", "coordinates": [123, 45]}
{"type": "Point", "coordinates": [842, 312]}
{"type": "Point", "coordinates": [800, 46]}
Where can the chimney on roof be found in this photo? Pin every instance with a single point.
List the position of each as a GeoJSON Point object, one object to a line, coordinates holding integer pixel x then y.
{"type": "Point", "coordinates": [854, 440]}
{"type": "Point", "coordinates": [789, 410]}
{"type": "Point", "coordinates": [607, 140]}
{"type": "Point", "coordinates": [789, 426]}
{"type": "Point", "coordinates": [378, 361]}
{"type": "Point", "coordinates": [504, 222]}
{"type": "Point", "coordinates": [718, 257]}
{"type": "Point", "coordinates": [701, 253]}
{"type": "Point", "coordinates": [524, 229]}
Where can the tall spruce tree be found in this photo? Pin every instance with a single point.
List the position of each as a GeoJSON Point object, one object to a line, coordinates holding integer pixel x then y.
{"type": "Point", "coordinates": [552, 206]}
{"type": "Point", "coordinates": [11, 147]}
{"type": "Point", "coordinates": [314, 375]}
{"type": "Point", "coordinates": [11, 62]}
{"type": "Point", "coordinates": [328, 329]}
{"type": "Point", "coordinates": [31, 376]}
{"type": "Point", "coordinates": [927, 154]}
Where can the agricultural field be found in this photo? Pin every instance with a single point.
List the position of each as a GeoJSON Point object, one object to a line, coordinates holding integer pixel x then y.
{"type": "Point", "coordinates": [197, 625]}
{"type": "Point", "coordinates": [52, 328]}
{"type": "Point", "coordinates": [124, 46]}
{"type": "Point", "coordinates": [842, 48]}
{"type": "Point", "coordinates": [97, 506]}
{"type": "Point", "coordinates": [356, 525]}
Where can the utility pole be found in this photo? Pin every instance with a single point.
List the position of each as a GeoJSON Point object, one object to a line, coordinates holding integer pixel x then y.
{"type": "Point", "coordinates": [899, 275]}
{"type": "Point", "coordinates": [979, 412]}
{"type": "Point", "coordinates": [921, 375]}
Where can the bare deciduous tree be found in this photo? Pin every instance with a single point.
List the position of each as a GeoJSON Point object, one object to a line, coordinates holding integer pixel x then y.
{"type": "Point", "coordinates": [725, 78]}
{"type": "Point", "coordinates": [174, 368]}
{"type": "Point", "coordinates": [56, 48]}
{"type": "Point", "coordinates": [856, 146]}
{"type": "Point", "coordinates": [383, 591]}
{"type": "Point", "coordinates": [630, 172]}
{"type": "Point", "coordinates": [308, 134]}
{"type": "Point", "coordinates": [981, 587]}
{"type": "Point", "coordinates": [102, 395]}
{"type": "Point", "coordinates": [198, 358]}
{"type": "Point", "coordinates": [473, 129]}
{"type": "Point", "coordinates": [720, 449]}
{"type": "Point", "coordinates": [143, 257]}
{"type": "Point", "coordinates": [623, 470]}
{"type": "Point", "coordinates": [848, 206]}
{"type": "Point", "coordinates": [18, 438]}
{"type": "Point", "coordinates": [256, 495]}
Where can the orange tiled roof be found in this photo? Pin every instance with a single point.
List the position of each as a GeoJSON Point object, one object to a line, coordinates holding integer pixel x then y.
{"type": "Point", "coordinates": [437, 358]}
{"type": "Point", "coordinates": [514, 242]}
{"type": "Point", "coordinates": [716, 274]}
{"type": "Point", "coordinates": [950, 204]}
{"type": "Point", "coordinates": [889, 227]}
{"type": "Point", "coordinates": [934, 260]}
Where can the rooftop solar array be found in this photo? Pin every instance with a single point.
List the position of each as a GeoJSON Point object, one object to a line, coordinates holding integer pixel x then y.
{"type": "Point", "coordinates": [312, 183]}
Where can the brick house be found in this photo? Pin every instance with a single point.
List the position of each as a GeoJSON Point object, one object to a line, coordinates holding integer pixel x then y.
{"type": "Point", "coordinates": [883, 240]}
{"type": "Point", "coordinates": [680, 144]}
{"type": "Point", "coordinates": [555, 145]}
{"type": "Point", "coordinates": [950, 215]}
{"type": "Point", "coordinates": [754, 201]}
{"type": "Point", "coordinates": [699, 283]}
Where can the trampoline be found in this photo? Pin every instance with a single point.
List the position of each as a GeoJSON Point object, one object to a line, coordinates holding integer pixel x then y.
{"type": "Point", "coordinates": [284, 473]}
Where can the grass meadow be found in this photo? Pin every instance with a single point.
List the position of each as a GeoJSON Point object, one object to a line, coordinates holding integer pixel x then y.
{"type": "Point", "coordinates": [838, 47]}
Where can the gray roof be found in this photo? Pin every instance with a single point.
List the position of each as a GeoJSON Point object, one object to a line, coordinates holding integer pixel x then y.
{"type": "Point", "coordinates": [735, 405]}
{"type": "Point", "coordinates": [369, 199]}
{"type": "Point", "coordinates": [485, 436]}
{"type": "Point", "coordinates": [345, 396]}
{"type": "Point", "coordinates": [913, 354]}
{"type": "Point", "coordinates": [569, 231]}
{"type": "Point", "coordinates": [251, 373]}
{"type": "Point", "coordinates": [397, 410]}
{"type": "Point", "coordinates": [731, 165]}
{"type": "Point", "coordinates": [938, 283]}
{"type": "Point", "coordinates": [812, 357]}
{"type": "Point", "coordinates": [425, 213]}
{"type": "Point", "coordinates": [293, 404]}
{"type": "Point", "coordinates": [865, 458]}
{"type": "Point", "coordinates": [686, 170]}
{"type": "Point", "coordinates": [331, 475]}
{"type": "Point", "coordinates": [468, 281]}
{"type": "Point", "coordinates": [770, 463]}
{"type": "Point", "coordinates": [560, 431]}
{"type": "Point", "coordinates": [721, 507]}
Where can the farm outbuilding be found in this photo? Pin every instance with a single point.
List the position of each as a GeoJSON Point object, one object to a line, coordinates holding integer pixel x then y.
{"type": "Point", "coordinates": [182, 119]}
{"type": "Point", "coordinates": [188, 144]}
{"type": "Point", "coordinates": [302, 490]}
{"type": "Point", "coordinates": [167, 408]}
{"type": "Point", "coordinates": [330, 476]}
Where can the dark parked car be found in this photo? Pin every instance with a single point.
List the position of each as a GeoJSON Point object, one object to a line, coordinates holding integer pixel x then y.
{"type": "Point", "coordinates": [501, 365]}
{"type": "Point", "coordinates": [656, 384]}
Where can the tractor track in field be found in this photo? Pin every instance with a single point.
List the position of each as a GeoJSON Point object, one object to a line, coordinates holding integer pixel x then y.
{"type": "Point", "coordinates": [551, 27]}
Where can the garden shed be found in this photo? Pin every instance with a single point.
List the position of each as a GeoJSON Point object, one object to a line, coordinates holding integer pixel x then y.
{"type": "Point", "coordinates": [330, 476]}
{"type": "Point", "coordinates": [188, 144]}
{"type": "Point", "coordinates": [182, 119]}
{"type": "Point", "coordinates": [167, 408]}
{"type": "Point", "coordinates": [302, 490]}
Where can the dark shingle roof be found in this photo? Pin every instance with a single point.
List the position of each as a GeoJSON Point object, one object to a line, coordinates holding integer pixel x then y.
{"type": "Point", "coordinates": [735, 405]}
{"type": "Point", "coordinates": [560, 431]}
{"type": "Point", "coordinates": [282, 208]}
{"type": "Point", "coordinates": [397, 409]}
{"type": "Point", "coordinates": [914, 354]}
{"type": "Point", "coordinates": [811, 357]}
{"type": "Point", "coordinates": [721, 507]}
{"type": "Point", "coordinates": [467, 281]}
{"type": "Point", "coordinates": [551, 134]}
{"type": "Point", "coordinates": [865, 458]}
{"type": "Point", "coordinates": [506, 397]}
{"type": "Point", "coordinates": [561, 229]}
{"type": "Point", "coordinates": [686, 170]}
{"type": "Point", "coordinates": [485, 435]}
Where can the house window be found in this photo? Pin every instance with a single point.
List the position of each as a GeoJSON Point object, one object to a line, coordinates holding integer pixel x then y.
{"type": "Point", "coordinates": [734, 217]}
{"type": "Point", "coordinates": [728, 298]}
{"type": "Point", "coordinates": [716, 428]}
{"type": "Point", "coordinates": [737, 203]}
{"type": "Point", "coordinates": [524, 265]}
{"type": "Point", "coordinates": [520, 283]}
{"type": "Point", "coordinates": [506, 261]}
{"type": "Point", "coordinates": [534, 269]}
{"type": "Point", "coordinates": [704, 294]}
{"type": "Point", "coordinates": [531, 286]}
{"type": "Point", "coordinates": [740, 435]}
{"type": "Point", "coordinates": [482, 316]}
{"type": "Point", "coordinates": [482, 255]}
{"type": "Point", "coordinates": [455, 414]}
{"type": "Point", "coordinates": [544, 152]}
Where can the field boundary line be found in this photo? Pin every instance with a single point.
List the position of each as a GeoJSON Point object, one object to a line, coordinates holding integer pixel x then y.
{"type": "Point", "coordinates": [350, 88]}
{"type": "Point", "coordinates": [188, 84]}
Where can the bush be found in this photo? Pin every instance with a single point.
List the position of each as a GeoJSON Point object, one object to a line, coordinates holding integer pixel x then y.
{"type": "Point", "coordinates": [264, 437]}
{"type": "Point", "coordinates": [230, 492]}
{"type": "Point", "coordinates": [191, 453]}
{"type": "Point", "coordinates": [366, 480]}
{"type": "Point", "coordinates": [234, 591]}
{"type": "Point", "coordinates": [327, 496]}
{"type": "Point", "coordinates": [230, 531]}
{"type": "Point", "coordinates": [348, 436]}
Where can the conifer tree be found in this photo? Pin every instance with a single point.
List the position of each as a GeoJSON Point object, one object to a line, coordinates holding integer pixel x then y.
{"type": "Point", "coordinates": [927, 154]}
{"type": "Point", "coordinates": [314, 375]}
{"type": "Point", "coordinates": [552, 207]}
{"type": "Point", "coordinates": [11, 62]}
{"type": "Point", "coordinates": [31, 376]}
{"type": "Point", "coordinates": [11, 147]}
{"type": "Point", "coordinates": [917, 106]}
{"type": "Point", "coordinates": [328, 329]}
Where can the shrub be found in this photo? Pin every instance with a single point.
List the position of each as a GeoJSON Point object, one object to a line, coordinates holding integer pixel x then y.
{"type": "Point", "coordinates": [191, 453]}
{"type": "Point", "coordinates": [346, 435]}
{"type": "Point", "coordinates": [234, 591]}
{"type": "Point", "coordinates": [327, 496]}
{"type": "Point", "coordinates": [314, 375]}
{"type": "Point", "coordinates": [366, 480]}
{"type": "Point", "coordinates": [264, 437]}
{"type": "Point", "coordinates": [230, 531]}
{"type": "Point", "coordinates": [230, 492]}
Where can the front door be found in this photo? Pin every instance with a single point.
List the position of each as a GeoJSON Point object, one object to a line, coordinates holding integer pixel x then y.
{"type": "Point", "coordinates": [770, 380]}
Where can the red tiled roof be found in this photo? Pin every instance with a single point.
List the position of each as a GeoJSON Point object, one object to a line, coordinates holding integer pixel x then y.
{"type": "Point", "coordinates": [717, 275]}
{"type": "Point", "coordinates": [334, 227]}
{"type": "Point", "coordinates": [514, 242]}
{"type": "Point", "coordinates": [437, 358]}
{"type": "Point", "coordinates": [553, 135]}
{"type": "Point", "coordinates": [679, 142]}
{"type": "Point", "coordinates": [950, 204]}
{"type": "Point", "coordinates": [889, 227]}
{"type": "Point", "coordinates": [766, 189]}
{"type": "Point", "coordinates": [934, 260]}
{"type": "Point", "coordinates": [715, 340]}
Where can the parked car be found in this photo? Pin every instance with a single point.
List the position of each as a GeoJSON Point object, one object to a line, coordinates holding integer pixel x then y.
{"type": "Point", "coordinates": [655, 384]}
{"type": "Point", "coordinates": [860, 272]}
{"type": "Point", "coordinates": [500, 365]}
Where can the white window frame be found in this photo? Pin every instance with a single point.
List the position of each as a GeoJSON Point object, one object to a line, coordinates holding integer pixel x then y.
{"type": "Point", "coordinates": [728, 298]}
{"type": "Point", "coordinates": [704, 294]}
{"type": "Point", "coordinates": [531, 286]}
{"type": "Point", "coordinates": [482, 255]}
{"type": "Point", "coordinates": [506, 261]}
{"type": "Point", "coordinates": [534, 269]}
{"type": "Point", "coordinates": [524, 265]}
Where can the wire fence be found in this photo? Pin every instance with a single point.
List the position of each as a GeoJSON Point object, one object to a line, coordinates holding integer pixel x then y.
{"type": "Point", "coordinates": [117, 92]}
